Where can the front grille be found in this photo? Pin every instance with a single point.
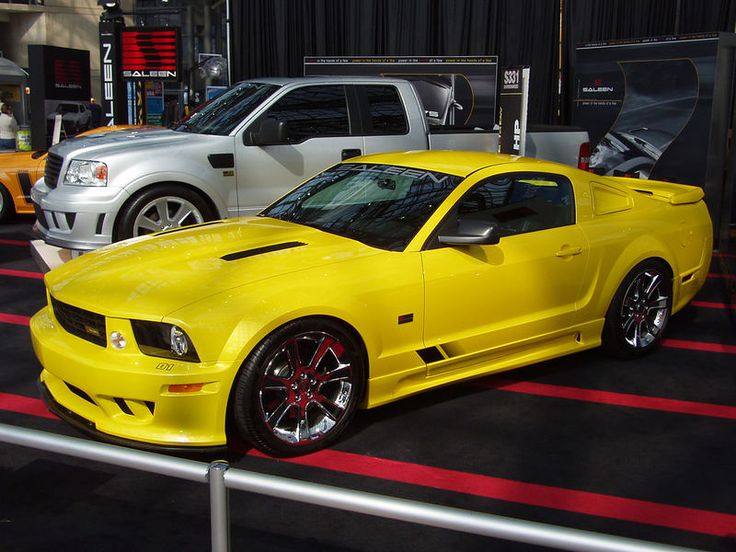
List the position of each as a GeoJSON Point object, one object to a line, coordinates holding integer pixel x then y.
{"type": "Point", "coordinates": [80, 322]}
{"type": "Point", "coordinates": [52, 170]}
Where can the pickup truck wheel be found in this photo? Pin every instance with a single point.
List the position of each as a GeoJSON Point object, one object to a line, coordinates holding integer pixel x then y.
{"type": "Point", "coordinates": [299, 388]}
{"type": "Point", "coordinates": [640, 310]}
{"type": "Point", "coordinates": [162, 208]}
{"type": "Point", "coordinates": [6, 204]}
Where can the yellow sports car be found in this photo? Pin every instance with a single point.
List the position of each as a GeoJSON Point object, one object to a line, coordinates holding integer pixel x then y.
{"type": "Point", "coordinates": [18, 172]}
{"type": "Point", "coordinates": [381, 277]}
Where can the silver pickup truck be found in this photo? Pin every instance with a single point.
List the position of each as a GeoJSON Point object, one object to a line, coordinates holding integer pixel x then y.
{"type": "Point", "coordinates": [238, 153]}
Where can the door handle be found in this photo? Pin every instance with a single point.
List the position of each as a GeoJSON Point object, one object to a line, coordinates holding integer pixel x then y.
{"type": "Point", "coordinates": [569, 251]}
{"type": "Point", "coordinates": [348, 153]}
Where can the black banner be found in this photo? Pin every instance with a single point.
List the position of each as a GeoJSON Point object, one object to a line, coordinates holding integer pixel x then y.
{"type": "Point", "coordinates": [647, 105]}
{"type": "Point", "coordinates": [455, 91]}
{"type": "Point", "coordinates": [514, 95]}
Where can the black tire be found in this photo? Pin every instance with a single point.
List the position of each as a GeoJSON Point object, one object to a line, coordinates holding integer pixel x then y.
{"type": "Point", "coordinates": [160, 208]}
{"type": "Point", "coordinates": [638, 315]}
{"type": "Point", "coordinates": [7, 209]}
{"type": "Point", "coordinates": [299, 388]}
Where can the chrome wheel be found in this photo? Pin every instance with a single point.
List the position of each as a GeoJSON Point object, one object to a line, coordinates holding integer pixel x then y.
{"type": "Point", "coordinates": [307, 387]}
{"type": "Point", "coordinates": [645, 309]}
{"type": "Point", "coordinates": [166, 212]}
{"type": "Point", "coordinates": [299, 388]}
{"type": "Point", "coordinates": [638, 315]}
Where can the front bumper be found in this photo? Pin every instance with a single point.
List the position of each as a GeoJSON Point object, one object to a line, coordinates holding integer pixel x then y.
{"type": "Point", "coordinates": [125, 396]}
{"type": "Point", "coordinates": [76, 217]}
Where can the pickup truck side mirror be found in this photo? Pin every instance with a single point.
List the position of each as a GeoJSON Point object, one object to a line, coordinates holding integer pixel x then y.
{"type": "Point", "coordinates": [269, 132]}
{"type": "Point", "coordinates": [472, 232]}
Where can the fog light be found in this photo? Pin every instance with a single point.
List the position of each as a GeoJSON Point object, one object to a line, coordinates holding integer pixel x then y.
{"type": "Point", "coordinates": [179, 343]}
{"type": "Point", "coordinates": [117, 340]}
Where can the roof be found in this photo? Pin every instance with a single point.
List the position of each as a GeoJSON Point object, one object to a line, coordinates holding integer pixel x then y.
{"type": "Point", "coordinates": [458, 163]}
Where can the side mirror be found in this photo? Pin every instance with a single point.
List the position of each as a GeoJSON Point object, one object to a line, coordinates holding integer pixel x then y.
{"type": "Point", "coordinates": [270, 132]}
{"type": "Point", "coordinates": [472, 232]}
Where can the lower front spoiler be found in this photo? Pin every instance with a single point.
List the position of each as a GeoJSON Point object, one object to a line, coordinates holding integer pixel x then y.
{"type": "Point", "coordinates": [89, 428]}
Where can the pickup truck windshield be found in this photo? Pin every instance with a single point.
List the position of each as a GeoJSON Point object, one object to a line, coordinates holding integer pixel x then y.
{"type": "Point", "coordinates": [222, 114]}
{"type": "Point", "coordinates": [382, 206]}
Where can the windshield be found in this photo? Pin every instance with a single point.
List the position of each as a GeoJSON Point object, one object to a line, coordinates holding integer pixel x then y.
{"type": "Point", "coordinates": [382, 206]}
{"type": "Point", "coordinates": [221, 115]}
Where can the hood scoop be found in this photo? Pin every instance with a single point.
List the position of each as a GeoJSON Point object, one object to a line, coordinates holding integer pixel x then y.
{"type": "Point", "coordinates": [261, 250]}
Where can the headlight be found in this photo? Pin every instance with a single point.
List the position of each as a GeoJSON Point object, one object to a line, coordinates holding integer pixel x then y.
{"type": "Point", "coordinates": [163, 340]}
{"type": "Point", "coordinates": [86, 173]}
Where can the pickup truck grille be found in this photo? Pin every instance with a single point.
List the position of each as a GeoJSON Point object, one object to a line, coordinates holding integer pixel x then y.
{"type": "Point", "coordinates": [82, 323]}
{"type": "Point", "coordinates": [53, 168]}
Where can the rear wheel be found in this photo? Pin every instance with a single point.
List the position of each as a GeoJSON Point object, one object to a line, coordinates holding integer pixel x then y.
{"type": "Point", "coordinates": [640, 310]}
{"type": "Point", "coordinates": [299, 389]}
{"type": "Point", "coordinates": [162, 208]}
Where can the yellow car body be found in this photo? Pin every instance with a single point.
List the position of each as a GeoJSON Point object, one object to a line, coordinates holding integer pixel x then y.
{"type": "Point", "coordinates": [428, 312]}
{"type": "Point", "coordinates": [18, 172]}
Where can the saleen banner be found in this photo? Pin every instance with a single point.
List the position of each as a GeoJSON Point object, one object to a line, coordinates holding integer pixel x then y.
{"type": "Point", "coordinates": [151, 53]}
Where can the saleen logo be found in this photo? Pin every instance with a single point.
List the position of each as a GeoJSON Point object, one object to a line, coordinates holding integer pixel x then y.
{"type": "Point", "coordinates": [92, 331]}
{"type": "Point", "coordinates": [597, 89]}
{"type": "Point", "coordinates": [149, 74]}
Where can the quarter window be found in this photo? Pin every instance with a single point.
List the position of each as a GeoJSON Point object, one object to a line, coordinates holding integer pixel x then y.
{"type": "Point", "coordinates": [313, 111]}
{"type": "Point", "coordinates": [521, 202]}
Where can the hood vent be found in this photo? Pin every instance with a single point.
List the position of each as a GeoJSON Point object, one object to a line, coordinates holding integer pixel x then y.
{"type": "Point", "coordinates": [260, 250]}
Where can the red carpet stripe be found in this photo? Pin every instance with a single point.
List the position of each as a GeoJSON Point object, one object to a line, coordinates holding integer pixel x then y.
{"type": "Point", "coordinates": [582, 502]}
{"type": "Point", "coordinates": [24, 405]}
{"type": "Point", "coordinates": [21, 273]}
{"type": "Point", "coordinates": [15, 242]}
{"type": "Point", "coordinates": [15, 319]}
{"type": "Point", "coordinates": [699, 346]}
{"type": "Point", "coordinates": [617, 399]}
{"type": "Point", "coordinates": [712, 305]}
{"type": "Point", "coordinates": [717, 275]}
{"type": "Point", "coordinates": [726, 255]}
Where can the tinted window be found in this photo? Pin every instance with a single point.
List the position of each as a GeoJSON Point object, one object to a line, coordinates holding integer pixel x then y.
{"type": "Point", "coordinates": [385, 110]}
{"type": "Point", "coordinates": [380, 205]}
{"type": "Point", "coordinates": [313, 111]}
{"type": "Point", "coordinates": [520, 203]}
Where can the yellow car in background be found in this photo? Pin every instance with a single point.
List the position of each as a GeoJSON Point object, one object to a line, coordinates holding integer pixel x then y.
{"type": "Point", "coordinates": [19, 170]}
{"type": "Point", "coordinates": [379, 278]}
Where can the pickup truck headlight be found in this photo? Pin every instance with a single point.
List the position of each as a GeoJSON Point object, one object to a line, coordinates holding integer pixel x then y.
{"type": "Point", "coordinates": [163, 340]}
{"type": "Point", "coordinates": [86, 173]}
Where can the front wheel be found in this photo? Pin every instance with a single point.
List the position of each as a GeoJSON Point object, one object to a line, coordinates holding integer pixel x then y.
{"type": "Point", "coordinates": [299, 388]}
{"type": "Point", "coordinates": [161, 208]}
{"type": "Point", "coordinates": [640, 310]}
{"type": "Point", "coordinates": [6, 204]}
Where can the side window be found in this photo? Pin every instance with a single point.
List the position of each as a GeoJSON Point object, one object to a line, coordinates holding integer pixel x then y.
{"type": "Point", "coordinates": [313, 111]}
{"type": "Point", "coordinates": [520, 202]}
{"type": "Point", "coordinates": [385, 110]}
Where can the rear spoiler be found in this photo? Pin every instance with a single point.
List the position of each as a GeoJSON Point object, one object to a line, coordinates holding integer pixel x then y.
{"type": "Point", "coordinates": [675, 194]}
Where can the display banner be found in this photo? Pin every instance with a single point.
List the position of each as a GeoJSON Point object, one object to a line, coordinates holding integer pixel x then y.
{"type": "Point", "coordinates": [647, 105]}
{"type": "Point", "coordinates": [457, 92]}
{"type": "Point", "coordinates": [113, 88]}
{"type": "Point", "coordinates": [57, 75]}
{"type": "Point", "coordinates": [514, 102]}
{"type": "Point", "coordinates": [150, 53]}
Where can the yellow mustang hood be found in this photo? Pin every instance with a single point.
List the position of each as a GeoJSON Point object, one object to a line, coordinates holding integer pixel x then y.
{"type": "Point", "coordinates": [151, 276]}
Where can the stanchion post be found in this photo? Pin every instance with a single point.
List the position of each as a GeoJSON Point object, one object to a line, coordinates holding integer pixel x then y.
{"type": "Point", "coordinates": [219, 507]}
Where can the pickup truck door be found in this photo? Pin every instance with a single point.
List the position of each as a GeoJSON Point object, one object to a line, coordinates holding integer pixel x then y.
{"type": "Point", "coordinates": [491, 298]}
{"type": "Point", "coordinates": [319, 136]}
